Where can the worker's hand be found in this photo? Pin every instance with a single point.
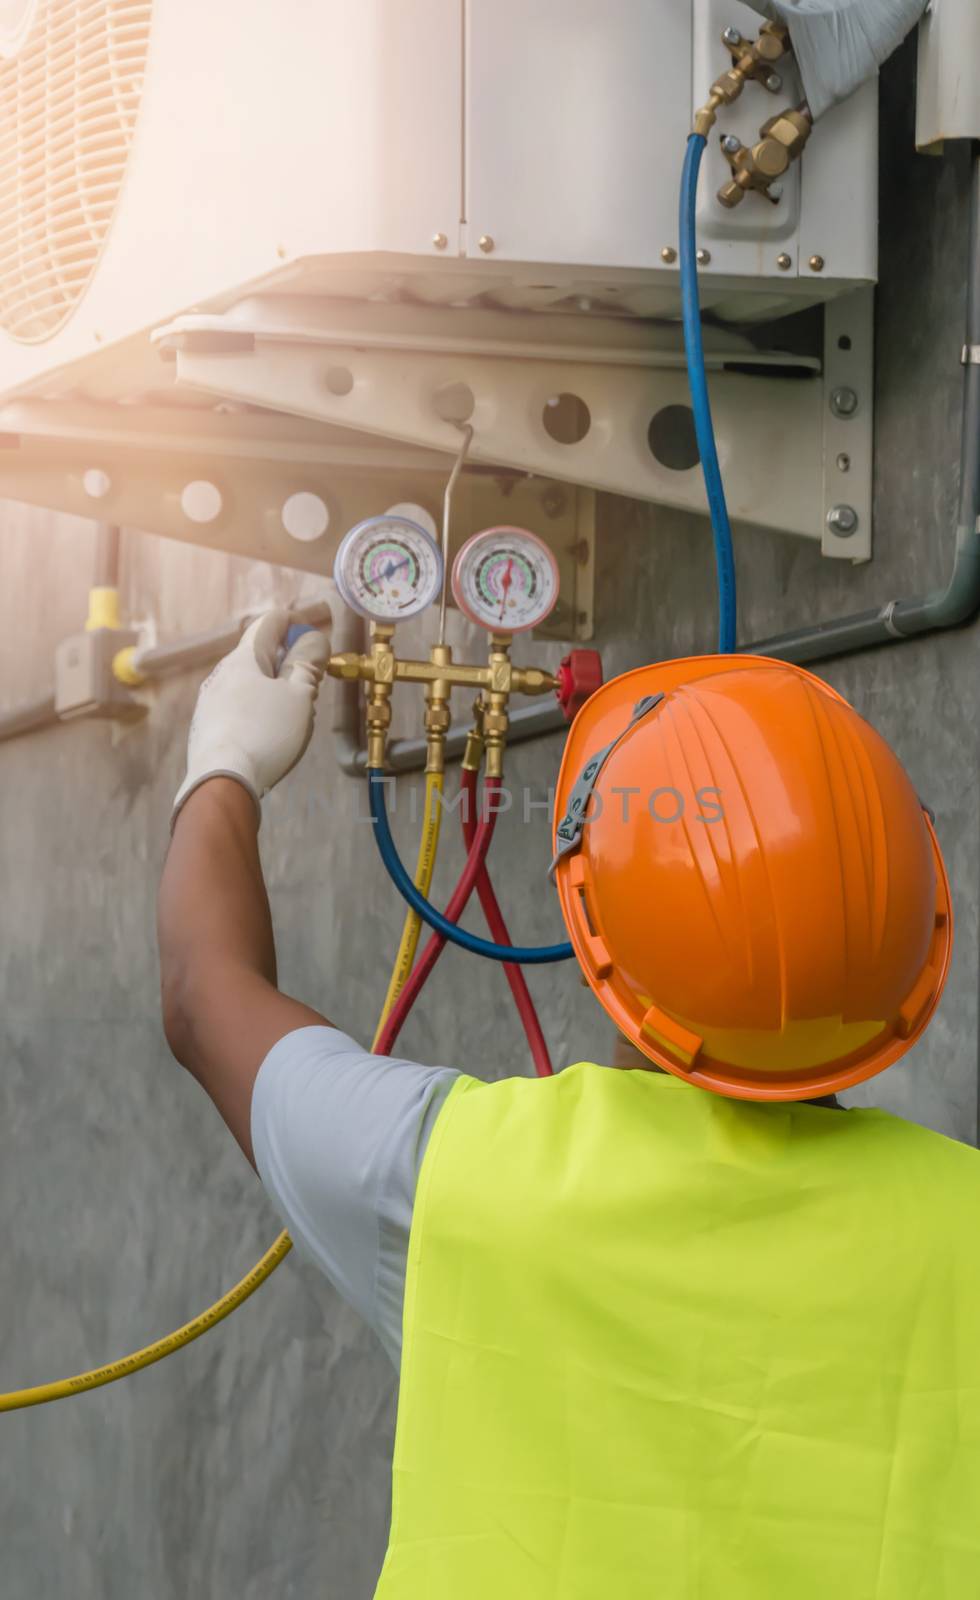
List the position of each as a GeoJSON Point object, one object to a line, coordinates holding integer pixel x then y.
{"type": "Point", "coordinates": [252, 722]}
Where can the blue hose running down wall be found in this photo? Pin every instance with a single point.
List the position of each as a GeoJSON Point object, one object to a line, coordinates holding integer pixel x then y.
{"type": "Point", "coordinates": [700, 404]}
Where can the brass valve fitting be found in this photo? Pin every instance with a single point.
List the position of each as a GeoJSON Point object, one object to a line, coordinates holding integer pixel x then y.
{"type": "Point", "coordinates": [751, 59]}
{"type": "Point", "coordinates": [496, 720]}
{"type": "Point", "coordinates": [782, 140]}
{"type": "Point", "coordinates": [382, 677]}
{"type": "Point", "coordinates": [437, 713]}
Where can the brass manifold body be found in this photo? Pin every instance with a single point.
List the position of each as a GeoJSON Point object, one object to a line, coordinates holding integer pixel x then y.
{"type": "Point", "coordinates": [380, 669]}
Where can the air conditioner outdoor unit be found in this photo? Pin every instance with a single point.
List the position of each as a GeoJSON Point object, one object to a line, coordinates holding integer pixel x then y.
{"type": "Point", "coordinates": [279, 249]}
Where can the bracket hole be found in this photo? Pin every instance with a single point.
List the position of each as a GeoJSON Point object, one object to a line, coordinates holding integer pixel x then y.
{"type": "Point", "coordinates": [844, 342]}
{"type": "Point", "coordinates": [454, 402]}
{"type": "Point", "coordinates": [566, 418]}
{"type": "Point", "coordinates": [339, 380]}
{"type": "Point", "coordinates": [672, 438]}
{"type": "Point", "coordinates": [201, 501]}
{"type": "Point", "coordinates": [305, 516]}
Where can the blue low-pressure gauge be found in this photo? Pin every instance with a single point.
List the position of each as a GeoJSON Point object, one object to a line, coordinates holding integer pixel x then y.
{"type": "Point", "coordinates": [505, 579]}
{"type": "Point", "coordinates": [388, 568]}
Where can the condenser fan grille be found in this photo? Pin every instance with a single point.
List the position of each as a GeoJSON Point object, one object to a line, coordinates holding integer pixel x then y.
{"type": "Point", "coordinates": [68, 107]}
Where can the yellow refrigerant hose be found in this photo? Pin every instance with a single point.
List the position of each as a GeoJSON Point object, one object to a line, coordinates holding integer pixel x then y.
{"type": "Point", "coordinates": [428, 844]}
{"type": "Point", "coordinates": [18, 1399]}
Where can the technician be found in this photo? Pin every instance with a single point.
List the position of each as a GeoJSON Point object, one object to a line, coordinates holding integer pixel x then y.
{"type": "Point", "coordinates": [691, 1332]}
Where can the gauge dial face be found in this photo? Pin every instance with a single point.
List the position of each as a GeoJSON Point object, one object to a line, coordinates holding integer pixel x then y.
{"type": "Point", "coordinates": [388, 568]}
{"type": "Point", "coordinates": [505, 579]}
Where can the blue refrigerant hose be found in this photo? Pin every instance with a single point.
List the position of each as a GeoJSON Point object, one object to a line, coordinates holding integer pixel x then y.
{"type": "Point", "coordinates": [516, 954]}
{"type": "Point", "coordinates": [700, 404]}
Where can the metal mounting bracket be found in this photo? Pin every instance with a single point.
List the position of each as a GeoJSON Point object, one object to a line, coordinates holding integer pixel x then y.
{"type": "Point", "coordinates": [848, 425]}
{"type": "Point", "coordinates": [607, 409]}
{"type": "Point", "coordinates": [225, 480]}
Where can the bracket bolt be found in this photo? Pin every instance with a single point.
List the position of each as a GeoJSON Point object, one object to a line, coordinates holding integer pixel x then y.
{"type": "Point", "coordinates": [731, 36]}
{"type": "Point", "coordinates": [843, 462]}
{"type": "Point", "coordinates": [703, 257]}
{"type": "Point", "coordinates": [668, 254]}
{"type": "Point", "coordinates": [440, 241]}
{"type": "Point", "coordinates": [816, 263]}
{"type": "Point", "coordinates": [784, 262]}
{"type": "Point", "coordinates": [486, 243]}
{"type": "Point", "coordinates": [843, 402]}
{"type": "Point", "coordinates": [842, 520]}
{"type": "Point", "coordinates": [774, 83]}
{"type": "Point", "coordinates": [731, 143]}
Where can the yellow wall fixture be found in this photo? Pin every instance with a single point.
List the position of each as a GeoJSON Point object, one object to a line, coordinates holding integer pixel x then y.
{"type": "Point", "coordinates": [103, 608]}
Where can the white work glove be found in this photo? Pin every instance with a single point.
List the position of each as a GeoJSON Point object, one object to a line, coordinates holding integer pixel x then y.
{"type": "Point", "coordinates": [251, 722]}
{"type": "Point", "coordinates": [840, 43]}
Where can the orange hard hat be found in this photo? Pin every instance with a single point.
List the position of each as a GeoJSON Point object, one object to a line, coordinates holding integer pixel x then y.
{"type": "Point", "coordinates": [750, 883]}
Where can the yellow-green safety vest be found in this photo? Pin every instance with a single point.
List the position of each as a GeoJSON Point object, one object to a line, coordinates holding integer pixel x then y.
{"type": "Point", "coordinates": [659, 1344]}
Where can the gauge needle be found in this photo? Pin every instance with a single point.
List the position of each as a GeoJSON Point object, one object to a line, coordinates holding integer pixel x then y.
{"type": "Point", "coordinates": [505, 584]}
{"type": "Point", "coordinates": [389, 572]}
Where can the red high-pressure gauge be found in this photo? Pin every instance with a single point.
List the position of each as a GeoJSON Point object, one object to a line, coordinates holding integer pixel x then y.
{"type": "Point", "coordinates": [505, 579]}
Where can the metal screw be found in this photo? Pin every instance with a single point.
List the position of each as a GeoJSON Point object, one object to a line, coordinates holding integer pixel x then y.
{"type": "Point", "coordinates": [553, 503]}
{"type": "Point", "coordinates": [440, 241]}
{"type": "Point", "coordinates": [731, 36]}
{"type": "Point", "coordinates": [486, 243]}
{"type": "Point", "coordinates": [844, 402]}
{"type": "Point", "coordinates": [731, 143]}
{"type": "Point", "coordinates": [843, 462]}
{"type": "Point", "coordinates": [774, 83]}
{"type": "Point", "coordinates": [816, 263]}
{"type": "Point", "coordinates": [784, 262]}
{"type": "Point", "coordinates": [703, 257]}
{"type": "Point", "coordinates": [775, 190]}
{"type": "Point", "coordinates": [842, 520]}
{"type": "Point", "coordinates": [668, 254]}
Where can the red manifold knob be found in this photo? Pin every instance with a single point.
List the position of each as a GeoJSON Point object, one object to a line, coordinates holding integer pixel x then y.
{"type": "Point", "coordinates": [579, 676]}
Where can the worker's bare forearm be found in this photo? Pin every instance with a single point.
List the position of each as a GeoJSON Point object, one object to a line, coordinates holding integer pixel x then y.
{"type": "Point", "coordinates": [213, 904]}
{"type": "Point", "coordinates": [222, 1012]}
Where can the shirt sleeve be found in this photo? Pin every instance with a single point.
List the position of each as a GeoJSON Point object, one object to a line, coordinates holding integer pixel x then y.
{"type": "Point", "coordinates": [338, 1136]}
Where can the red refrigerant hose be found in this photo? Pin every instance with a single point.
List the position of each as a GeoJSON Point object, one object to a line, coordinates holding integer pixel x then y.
{"type": "Point", "coordinates": [498, 933]}
{"type": "Point", "coordinates": [437, 943]}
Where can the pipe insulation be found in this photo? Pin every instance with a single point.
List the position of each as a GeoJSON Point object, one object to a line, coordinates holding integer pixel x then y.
{"type": "Point", "coordinates": [840, 43]}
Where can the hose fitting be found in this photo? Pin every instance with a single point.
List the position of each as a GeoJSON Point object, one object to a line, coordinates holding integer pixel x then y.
{"type": "Point", "coordinates": [378, 716]}
{"type": "Point", "coordinates": [751, 59]}
{"type": "Point", "coordinates": [437, 715]}
{"type": "Point", "coordinates": [495, 716]}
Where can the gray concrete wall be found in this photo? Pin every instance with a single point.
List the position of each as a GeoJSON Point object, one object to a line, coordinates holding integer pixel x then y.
{"type": "Point", "coordinates": [255, 1464]}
